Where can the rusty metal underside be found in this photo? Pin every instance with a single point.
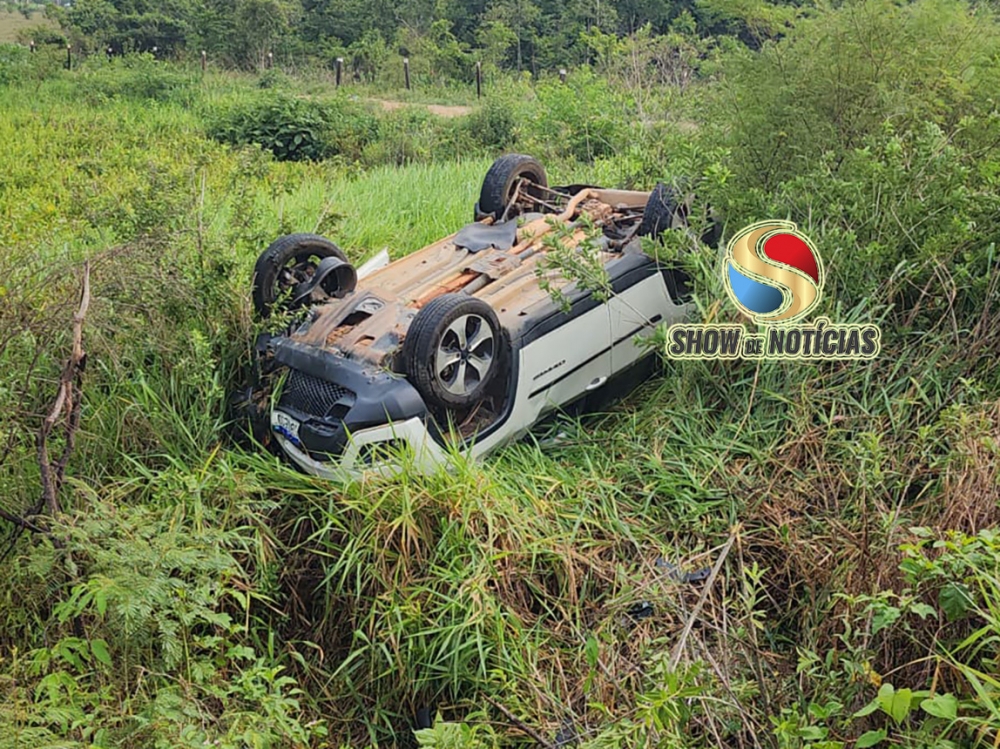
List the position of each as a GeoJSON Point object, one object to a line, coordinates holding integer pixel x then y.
{"type": "Point", "coordinates": [369, 323]}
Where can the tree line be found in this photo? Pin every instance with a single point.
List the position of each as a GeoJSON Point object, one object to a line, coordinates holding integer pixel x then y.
{"type": "Point", "coordinates": [448, 35]}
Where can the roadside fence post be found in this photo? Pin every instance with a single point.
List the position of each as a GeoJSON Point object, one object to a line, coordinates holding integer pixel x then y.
{"type": "Point", "coordinates": [340, 67]}
{"type": "Point", "coordinates": [479, 80]}
{"type": "Point", "coordinates": [562, 75]}
{"type": "Point", "coordinates": [406, 72]}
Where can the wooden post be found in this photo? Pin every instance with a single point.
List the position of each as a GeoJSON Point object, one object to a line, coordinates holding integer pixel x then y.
{"type": "Point", "coordinates": [340, 67]}
{"type": "Point", "coordinates": [270, 60]}
{"type": "Point", "coordinates": [479, 80]}
{"type": "Point", "coordinates": [32, 45]}
{"type": "Point", "coordinates": [110, 52]}
{"type": "Point", "coordinates": [406, 72]}
{"type": "Point", "coordinates": [562, 75]}
{"type": "Point", "coordinates": [204, 57]}
{"type": "Point", "coordinates": [69, 57]}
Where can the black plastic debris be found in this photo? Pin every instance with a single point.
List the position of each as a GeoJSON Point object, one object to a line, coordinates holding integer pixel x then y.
{"type": "Point", "coordinates": [639, 611]}
{"type": "Point", "coordinates": [676, 573]}
{"type": "Point", "coordinates": [424, 719]}
{"type": "Point", "coordinates": [478, 237]}
{"type": "Point", "coordinates": [567, 735]}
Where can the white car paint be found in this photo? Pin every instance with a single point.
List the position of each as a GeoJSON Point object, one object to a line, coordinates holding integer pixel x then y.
{"type": "Point", "coordinates": [575, 358]}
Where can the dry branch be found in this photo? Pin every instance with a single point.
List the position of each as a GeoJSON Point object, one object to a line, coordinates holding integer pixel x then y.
{"type": "Point", "coordinates": [679, 649]}
{"type": "Point", "coordinates": [66, 406]}
{"type": "Point", "coordinates": [524, 727]}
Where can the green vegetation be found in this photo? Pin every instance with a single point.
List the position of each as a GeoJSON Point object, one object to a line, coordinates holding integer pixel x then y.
{"type": "Point", "coordinates": [190, 593]}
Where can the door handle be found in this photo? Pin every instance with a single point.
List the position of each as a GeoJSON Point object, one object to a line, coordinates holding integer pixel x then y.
{"type": "Point", "coordinates": [596, 383]}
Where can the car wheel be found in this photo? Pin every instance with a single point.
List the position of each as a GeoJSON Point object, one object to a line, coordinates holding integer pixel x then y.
{"type": "Point", "coordinates": [247, 423]}
{"type": "Point", "coordinates": [665, 210]}
{"type": "Point", "coordinates": [287, 262]}
{"type": "Point", "coordinates": [501, 180]}
{"type": "Point", "coordinates": [453, 350]}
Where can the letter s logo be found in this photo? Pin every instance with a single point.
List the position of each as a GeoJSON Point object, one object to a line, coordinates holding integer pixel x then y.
{"type": "Point", "coordinates": [773, 272]}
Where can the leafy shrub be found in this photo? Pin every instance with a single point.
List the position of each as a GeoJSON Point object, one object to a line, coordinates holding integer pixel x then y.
{"type": "Point", "coordinates": [15, 64]}
{"type": "Point", "coordinates": [295, 129]}
{"type": "Point", "coordinates": [495, 123]}
{"type": "Point", "coordinates": [414, 135]}
{"type": "Point", "coordinates": [583, 118]}
{"type": "Point", "coordinates": [273, 78]}
{"type": "Point", "coordinates": [137, 77]}
{"type": "Point", "coordinates": [840, 75]}
{"type": "Point", "coordinates": [148, 589]}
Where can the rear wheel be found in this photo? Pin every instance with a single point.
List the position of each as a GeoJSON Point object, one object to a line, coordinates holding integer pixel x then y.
{"type": "Point", "coordinates": [454, 350]}
{"type": "Point", "coordinates": [664, 210]}
{"type": "Point", "coordinates": [501, 182]}
{"type": "Point", "coordinates": [287, 262]}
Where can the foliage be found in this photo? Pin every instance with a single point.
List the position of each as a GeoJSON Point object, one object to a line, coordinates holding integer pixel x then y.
{"type": "Point", "coordinates": [136, 76]}
{"type": "Point", "coordinates": [580, 262]}
{"type": "Point", "coordinates": [826, 88]}
{"type": "Point", "coordinates": [151, 594]}
{"type": "Point", "coordinates": [15, 64]}
{"type": "Point", "coordinates": [294, 129]}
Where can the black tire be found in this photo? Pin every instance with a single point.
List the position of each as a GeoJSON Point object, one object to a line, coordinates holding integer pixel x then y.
{"type": "Point", "coordinates": [501, 178]}
{"type": "Point", "coordinates": [287, 261]}
{"type": "Point", "coordinates": [664, 207]}
{"type": "Point", "coordinates": [661, 210]}
{"type": "Point", "coordinates": [247, 424]}
{"type": "Point", "coordinates": [431, 340]}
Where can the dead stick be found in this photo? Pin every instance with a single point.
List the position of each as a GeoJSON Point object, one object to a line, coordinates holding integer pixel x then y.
{"type": "Point", "coordinates": [676, 657]}
{"type": "Point", "coordinates": [541, 740]}
{"type": "Point", "coordinates": [69, 382]}
{"type": "Point", "coordinates": [20, 522]}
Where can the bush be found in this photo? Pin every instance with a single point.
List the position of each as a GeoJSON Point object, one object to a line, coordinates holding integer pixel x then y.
{"type": "Point", "coordinates": [138, 77]}
{"type": "Point", "coordinates": [495, 123]}
{"type": "Point", "coordinates": [828, 86]}
{"type": "Point", "coordinates": [295, 129]}
{"type": "Point", "coordinates": [15, 64]}
{"type": "Point", "coordinates": [583, 119]}
{"type": "Point", "coordinates": [414, 135]}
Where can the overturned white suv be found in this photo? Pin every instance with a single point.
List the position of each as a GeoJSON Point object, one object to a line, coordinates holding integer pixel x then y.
{"type": "Point", "coordinates": [464, 344]}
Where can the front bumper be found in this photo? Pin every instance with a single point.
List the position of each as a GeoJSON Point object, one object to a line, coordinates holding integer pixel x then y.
{"type": "Point", "coordinates": [336, 418]}
{"type": "Point", "coordinates": [383, 451]}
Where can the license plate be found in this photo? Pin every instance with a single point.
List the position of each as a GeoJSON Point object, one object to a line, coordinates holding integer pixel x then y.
{"type": "Point", "coordinates": [286, 426]}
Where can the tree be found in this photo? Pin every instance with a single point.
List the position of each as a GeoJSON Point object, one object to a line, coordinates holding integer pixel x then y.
{"type": "Point", "coordinates": [495, 39]}
{"type": "Point", "coordinates": [519, 16]}
{"type": "Point", "coordinates": [260, 24]}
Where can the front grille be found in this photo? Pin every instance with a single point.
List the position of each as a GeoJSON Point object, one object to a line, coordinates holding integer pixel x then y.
{"type": "Point", "coordinates": [312, 395]}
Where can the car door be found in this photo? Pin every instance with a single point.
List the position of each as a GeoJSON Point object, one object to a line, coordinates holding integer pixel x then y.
{"type": "Point", "coordinates": [639, 303]}
{"type": "Point", "coordinates": [566, 354]}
